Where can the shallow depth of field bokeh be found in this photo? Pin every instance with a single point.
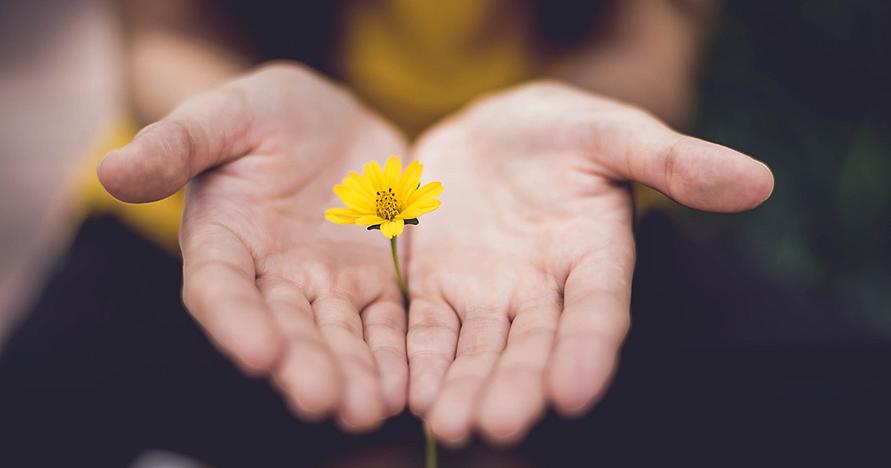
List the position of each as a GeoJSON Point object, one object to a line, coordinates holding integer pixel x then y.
{"type": "Point", "coordinates": [771, 325]}
{"type": "Point", "coordinates": [804, 86]}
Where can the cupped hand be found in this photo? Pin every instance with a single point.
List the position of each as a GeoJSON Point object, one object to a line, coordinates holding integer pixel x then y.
{"type": "Point", "coordinates": [279, 289]}
{"type": "Point", "coordinates": [521, 282]}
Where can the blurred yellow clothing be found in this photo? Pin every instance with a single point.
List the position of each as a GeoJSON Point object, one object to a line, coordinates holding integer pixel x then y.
{"type": "Point", "coordinates": [413, 61]}
{"type": "Point", "coordinates": [158, 221]}
{"type": "Point", "coordinates": [417, 61]}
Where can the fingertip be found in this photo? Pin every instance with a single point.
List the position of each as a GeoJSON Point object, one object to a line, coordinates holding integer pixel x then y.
{"type": "Point", "coordinates": [255, 348]}
{"type": "Point", "coordinates": [310, 405]}
{"type": "Point", "coordinates": [362, 406]}
{"type": "Point", "coordinates": [359, 426]}
{"type": "Point", "coordinates": [767, 182]}
{"type": "Point", "coordinates": [575, 403]}
{"type": "Point", "coordinates": [747, 185]}
{"type": "Point", "coordinates": [449, 428]}
{"type": "Point", "coordinates": [568, 402]}
{"type": "Point", "coordinates": [395, 389]}
{"type": "Point", "coordinates": [393, 379]}
{"type": "Point", "coordinates": [504, 437]}
{"type": "Point", "coordinates": [360, 414]}
{"type": "Point", "coordinates": [258, 357]}
{"type": "Point", "coordinates": [506, 415]}
{"type": "Point", "coordinates": [311, 388]}
{"type": "Point", "coordinates": [113, 176]}
{"type": "Point", "coordinates": [451, 419]}
{"type": "Point", "coordinates": [151, 167]}
{"type": "Point", "coordinates": [500, 424]}
{"type": "Point", "coordinates": [416, 408]}
{"type": "Point", "coordinates": [578, 379]}
{"type": "Point", "coordinates": [421, 393]}
{"type": "Point", "coordinates": [713, 177]}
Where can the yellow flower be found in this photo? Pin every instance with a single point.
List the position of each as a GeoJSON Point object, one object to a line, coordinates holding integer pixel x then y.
{"type": "Point", "coordinates": [385, 199]}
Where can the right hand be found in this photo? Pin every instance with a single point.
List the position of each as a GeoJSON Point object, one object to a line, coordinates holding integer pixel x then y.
{"type": "Point", "coordinates": [521, 281]}
{"type": "Point", "coordinates": [280, 290]}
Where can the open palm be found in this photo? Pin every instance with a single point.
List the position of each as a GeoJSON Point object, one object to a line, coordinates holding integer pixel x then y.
{"type": "Point", "coordinates": [521, 283]}
{"type": "Point", "coordinates": [278, 288]}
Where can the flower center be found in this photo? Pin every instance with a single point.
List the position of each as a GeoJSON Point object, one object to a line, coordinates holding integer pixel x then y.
{"type": "Point", "coordinates": [386, 204]}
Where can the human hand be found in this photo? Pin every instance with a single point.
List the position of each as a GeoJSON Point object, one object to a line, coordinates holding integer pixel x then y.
{"type": "Point", "coordinates": [280, 290]}
{"type": "Point", "coordinates": [521, 283]}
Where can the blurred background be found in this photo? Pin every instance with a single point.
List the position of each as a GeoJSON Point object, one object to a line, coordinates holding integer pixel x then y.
{"type": "Point", "coordinates": [762, 337]}
{"type": "Point", "coordinates": [803, 85]}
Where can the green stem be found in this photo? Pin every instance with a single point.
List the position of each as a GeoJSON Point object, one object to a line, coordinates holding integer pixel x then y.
{"type": "Point", "coordinates": [431, 443]}
{"type": "Point", "coordinates": [431, 449]}
{"type": "Point", "coordinates": [402, 287]}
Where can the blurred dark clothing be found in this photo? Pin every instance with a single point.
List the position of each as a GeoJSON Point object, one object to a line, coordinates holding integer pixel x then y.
{"type": "Point", "coordinates": [274, 30]}
{"type": "Point", "coordinates": [109, 364]}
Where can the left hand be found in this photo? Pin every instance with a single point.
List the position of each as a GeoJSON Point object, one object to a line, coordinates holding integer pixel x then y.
{"type": "Point", "coordinates": [281, 291]}
{"type": "Point", "coordinates": [521, 283]}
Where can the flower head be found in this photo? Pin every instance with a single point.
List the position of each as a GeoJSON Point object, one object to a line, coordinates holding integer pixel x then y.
{"type": "Point", "coordinates": [385, 199]}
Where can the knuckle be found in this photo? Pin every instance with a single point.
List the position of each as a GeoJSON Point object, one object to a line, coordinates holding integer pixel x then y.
{"type": "Point", "coordinates": [385, 323]}
{"type": "Point", "coordinates": [670, 164]}
{"type": "Point", "coordinates": [173, 141]}
{"type": "Point", "coordinates": [350, 324]}
{"type": "Point", "coordinates": [432, 359]}
{"type": "Point", "coordinates": [181, 139]}
{"type": "Point", "coordinates": [522, 372]}
{"type": "Point", "coordinates": [384, 351]}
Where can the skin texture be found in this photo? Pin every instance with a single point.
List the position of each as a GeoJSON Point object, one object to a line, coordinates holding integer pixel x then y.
{"type": "Point", "coordinates": [280, 290]}
{"type": "Point", "coordinates": [521, 282]}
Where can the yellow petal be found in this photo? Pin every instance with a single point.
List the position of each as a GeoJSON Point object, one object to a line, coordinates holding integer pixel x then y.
{"type": "Point", "coordinates": [408, 183]}
{"type": "Point", "coordinates": [341, 215]}
{"type": "Point", "coordinates": [392, 170]}
{"type": "Point", "coordinates": [428, 191]}
{"type": "Point", "coordinates": [360, 184]}
{"type": "Point", "coordinates": [375, 175]}
{"type": "Point", "coordinates": [418, 208]}
{"type": "Point", "coordinates": [354, 199]}
{"type": "Point", "coordinates": [370, 220]}
{"type": "Point", "coordinates": [391, 229]}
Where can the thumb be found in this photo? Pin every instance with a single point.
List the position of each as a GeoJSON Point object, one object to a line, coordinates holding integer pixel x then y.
{"type": "Point", "coordinates": [204, 131]}
{"type": "Point", "coordinates": [694, 172]}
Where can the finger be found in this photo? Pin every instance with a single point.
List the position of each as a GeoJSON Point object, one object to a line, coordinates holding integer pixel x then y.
{"type": "Point", "coordinates": [308, 374]}
{"type": "Point", "coordinates": [694, 172]}
{"type": "Point", "coordinates": [362, 403]}
{"type": "Point", "coordinates": [220, 292]}
{"type": "Point", "coordinates": [384, 327]}
{"type": "Point", "coordinates": [506, 414]}
{"type": "Point", "coordinates": [204, 131]}
{"type": "Point", "coordinates": [481, 341]}
{"type": "Point", "coordinates": [595, 319]}
{"type": "Point", "coordinates": [432, 336]}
